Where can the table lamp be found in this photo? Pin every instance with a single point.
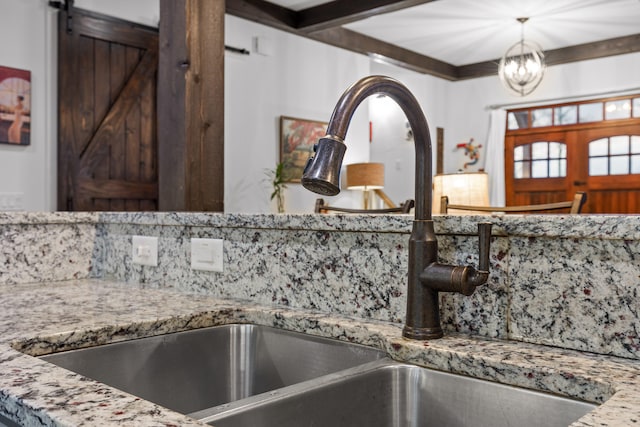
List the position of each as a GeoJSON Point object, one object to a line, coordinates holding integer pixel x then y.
{"type": "Point", "coordinates": [365, 177]}
{"type": "Point", "coordinates": [469, 188]}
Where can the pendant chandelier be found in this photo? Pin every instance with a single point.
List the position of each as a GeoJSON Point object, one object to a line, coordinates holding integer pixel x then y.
{"type": "Point", "coordinates": [522, 66]}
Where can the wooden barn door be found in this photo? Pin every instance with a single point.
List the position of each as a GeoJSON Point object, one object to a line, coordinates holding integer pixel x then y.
{"type": "Point", "coordinates": [107, 139]}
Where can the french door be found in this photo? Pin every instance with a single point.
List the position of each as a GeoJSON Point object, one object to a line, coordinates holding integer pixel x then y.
{"type": "Point", "coordinates": [550, 156]}
{"type": "Point", "coordinates": [610, 169]}
{"type": "Point", "coordinates": [538, 168]}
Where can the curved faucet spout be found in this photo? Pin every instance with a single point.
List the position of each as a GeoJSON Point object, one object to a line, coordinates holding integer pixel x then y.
{"type": "Point", "coordinates": [425, 277]}
{"type": "Point", "coordinates": [325, 165]}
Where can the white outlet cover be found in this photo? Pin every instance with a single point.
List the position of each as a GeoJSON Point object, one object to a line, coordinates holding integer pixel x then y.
{"type": "Point", "coordinates": [145, 250]}
{"type": "Point", "coordinates": [11, 201]}
{"type": "Point", "coordinates": [206, 254]}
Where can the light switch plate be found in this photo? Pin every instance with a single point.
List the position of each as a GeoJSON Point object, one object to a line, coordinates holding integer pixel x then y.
{"type": "Point", "coordinates": [145, 250]}
{"type": "Point", "coordinates": [11, 201]}
{"type": "Point", "coordinates": [206, 254]}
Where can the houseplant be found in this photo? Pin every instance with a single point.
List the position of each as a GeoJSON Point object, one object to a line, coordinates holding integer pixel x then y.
{"type": "Point", "coordinates": [278, 183]}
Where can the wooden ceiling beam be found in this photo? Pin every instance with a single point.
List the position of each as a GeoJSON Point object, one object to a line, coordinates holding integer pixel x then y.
{"type": "Point", "coordinates": [479, 69]}
{"type": "Point", "coordinates": [565, 55]}
{"type": "Point", "coordinates": [341, 12]}
{"type": "Point", "coordinates": [600, 49]}
{"type": "Point", "coordinates": [387, 52]}
{"type": "Point", "coordinates": [264, 12]}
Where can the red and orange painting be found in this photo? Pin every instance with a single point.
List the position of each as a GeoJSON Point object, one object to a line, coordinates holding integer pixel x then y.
{"type": "Point", "coordinates": [15, 106]}
{"type": "Point", "coordinates": [297, 137]}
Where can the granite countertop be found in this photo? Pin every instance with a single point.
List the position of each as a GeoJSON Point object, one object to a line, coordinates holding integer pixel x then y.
{"type": "Point", "coordinates": [602, 227]}
{"type": "Point", "coordinates": [41, 318]}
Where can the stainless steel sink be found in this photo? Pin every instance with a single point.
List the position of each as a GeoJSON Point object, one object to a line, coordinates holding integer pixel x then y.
{"type": "Point", "coordinates": [190, 371]}
{"type": "Point", "coordinates": [390, 394]}
{"type": "Point", "coordinates": [6, 422]}
{"type": "Point", "coordinates": [247, 375]}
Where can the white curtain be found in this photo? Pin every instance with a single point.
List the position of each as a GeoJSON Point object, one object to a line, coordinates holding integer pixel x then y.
{"type": "Point", "coordinates": [494, 165]}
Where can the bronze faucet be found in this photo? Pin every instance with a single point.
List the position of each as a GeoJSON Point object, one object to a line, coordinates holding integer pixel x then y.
{"type": "Point", "coordinates": [426, 276]}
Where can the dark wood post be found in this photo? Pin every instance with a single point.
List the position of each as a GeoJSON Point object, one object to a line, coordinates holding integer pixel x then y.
{"type": "Point", "coordinates": [439, 150]}
{"type": "Point", "coordinates": [191, 105]}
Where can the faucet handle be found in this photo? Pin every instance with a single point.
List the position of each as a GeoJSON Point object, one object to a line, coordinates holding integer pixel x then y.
{"type": "Point", "coordinates": [476, 277]}
{"type": "Point", "coordinates": [458, 278]}
{"type": "Point", "coordinates": [467, 279]}
{"type": "Point", "coordinates": [484, 234]}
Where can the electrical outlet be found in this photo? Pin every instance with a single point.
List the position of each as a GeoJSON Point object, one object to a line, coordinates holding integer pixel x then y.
{"type": "Point", "coordinates": [145, 250]}
{"type": "Point", "coordinates": [11, 201]}
{"type": "Point", "coordinates": [206, 254]}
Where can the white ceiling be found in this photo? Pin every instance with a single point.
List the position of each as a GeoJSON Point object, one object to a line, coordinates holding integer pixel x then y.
{"type": "Point", "coordinates": [298, 4]}
{"type": "Point", "coordinates": [462, 32]}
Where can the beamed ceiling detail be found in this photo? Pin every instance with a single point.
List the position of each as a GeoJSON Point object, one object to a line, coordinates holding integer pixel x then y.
{"type": "Point", "coordinates": [324, 22]}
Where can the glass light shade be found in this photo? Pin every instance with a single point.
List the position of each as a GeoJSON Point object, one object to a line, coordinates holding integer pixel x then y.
{"type": "Point", "coordinates": [470, 188]}
{"type": "Point", "coordinates": [522, 67]}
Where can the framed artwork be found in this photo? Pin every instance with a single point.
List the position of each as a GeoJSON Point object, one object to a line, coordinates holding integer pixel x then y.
{"type": "Point", "coordinates": [15, 106]}
{"type": "Point", "coordinates": [297, 137]}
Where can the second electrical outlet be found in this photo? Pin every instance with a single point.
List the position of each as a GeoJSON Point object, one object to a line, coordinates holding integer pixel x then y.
{"type": "Point", "coordinates": [206, 254]}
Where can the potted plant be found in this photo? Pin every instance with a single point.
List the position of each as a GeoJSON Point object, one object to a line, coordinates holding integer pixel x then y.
{"type": "Point", "coordinates": [278, 182]}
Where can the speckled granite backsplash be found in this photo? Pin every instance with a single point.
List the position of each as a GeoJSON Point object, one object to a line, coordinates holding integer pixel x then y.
{"type": "Point", "coordinates": [46, 246]}
{"type": "Point", "coordinates": [564, 281]}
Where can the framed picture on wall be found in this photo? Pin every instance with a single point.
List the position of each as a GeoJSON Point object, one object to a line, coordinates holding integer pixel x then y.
{"type": "Point", "coordinates": [297, 137]}
{"type": "Point", "coordinates": [15, 106]}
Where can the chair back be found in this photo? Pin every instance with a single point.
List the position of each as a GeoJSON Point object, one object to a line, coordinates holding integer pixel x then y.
{"type": "Point", "coordinates": [574, 206]}
{"type": "Point", "coordinates": [404, 208]}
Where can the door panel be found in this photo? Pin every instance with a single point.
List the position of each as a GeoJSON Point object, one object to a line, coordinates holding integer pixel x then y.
{"type": "Point", "coordinates": [610, 193]}
{"type": "Point", "coordinates": [523, 190]}
{"type": "Point", "coordinates": [107, 114]}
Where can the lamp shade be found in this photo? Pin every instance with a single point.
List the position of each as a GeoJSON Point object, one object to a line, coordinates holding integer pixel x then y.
{"type": "Point", "coordinates": [365, 176]}
{"type": "Point", "coordinates": [462, 189]}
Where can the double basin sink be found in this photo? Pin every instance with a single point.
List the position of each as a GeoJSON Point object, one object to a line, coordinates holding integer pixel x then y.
{"type": "Point", "coordinates": [248, 375]}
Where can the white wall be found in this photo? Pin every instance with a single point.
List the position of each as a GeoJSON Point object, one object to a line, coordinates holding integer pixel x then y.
{"type": "Point", "coordinates": [389, 143]}
{"type": "Point", "coordinates": [299, 78]}
{"type": "Point", "coordinates": [29, 172]}
{"type": "Point", "coordinates": [146, 12]}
